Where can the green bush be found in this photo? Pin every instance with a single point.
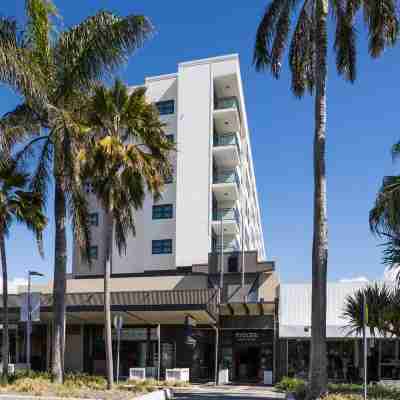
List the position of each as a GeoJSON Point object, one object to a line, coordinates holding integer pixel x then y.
{"type": "Point", "coordinates": [340, 396]}
{"type": "Point", "coordinates": [345, 388]}
{"type": "Point", "coordinates": [290, 385]}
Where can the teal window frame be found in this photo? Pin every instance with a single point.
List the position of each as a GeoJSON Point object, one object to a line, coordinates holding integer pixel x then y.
{"type": "Point", "coordinates": [165, 107]}
{"type": "Point", "coordinates": [161, 246]}
{"type": "Point", "coordinates": [163, 211]}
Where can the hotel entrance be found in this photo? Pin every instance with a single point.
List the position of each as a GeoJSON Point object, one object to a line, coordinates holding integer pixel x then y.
{"type": "Point", "coordinates": [247, 354]}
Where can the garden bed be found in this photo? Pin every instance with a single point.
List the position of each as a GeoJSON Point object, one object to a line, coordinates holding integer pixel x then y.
{"type": "Point", "coordinates": [79, 386]}
{"type": "Point", "coordinates": [298, 388]}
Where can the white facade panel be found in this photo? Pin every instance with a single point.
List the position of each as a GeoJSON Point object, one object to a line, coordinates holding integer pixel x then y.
{"type": "Point", "coordinates": [193, 165]}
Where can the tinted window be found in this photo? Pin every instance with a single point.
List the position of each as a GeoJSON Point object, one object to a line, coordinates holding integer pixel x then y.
{"type": "Point", "coordinates": [166, 107]}
{"type": "Point", "coordinates": [161, 246]}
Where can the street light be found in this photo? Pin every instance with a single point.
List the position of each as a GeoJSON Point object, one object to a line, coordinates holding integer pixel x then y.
{"type": "Point", "coordinates": [29, 319]}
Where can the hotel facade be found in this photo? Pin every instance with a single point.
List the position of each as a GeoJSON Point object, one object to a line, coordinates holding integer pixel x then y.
{"type": "Point", "coordinates": [194, 286]}
{"type": "Point", "coordinates": [196, 270]}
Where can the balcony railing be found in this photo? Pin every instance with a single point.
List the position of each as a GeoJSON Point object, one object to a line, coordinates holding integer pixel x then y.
{"type": "Point", "coordinates": [227, 139]}
{"type": "Point", "coordinates": [226, 177]}
{"type": "Point", "coordinates": [228, 247]}
{"type": "Point", "coordinates": [226, 102]}
{"type": "Point", "coordinates": [226, 214]}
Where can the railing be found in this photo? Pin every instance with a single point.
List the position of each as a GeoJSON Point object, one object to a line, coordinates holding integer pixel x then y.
{"type": "Point", "coordinates": [226, 102]}
{"type": "Point", "coordinates": [226, 177]}
{"type": "Point", "coordinates": [226, 214]}
{"type": "Point", "coordinates": [226, 139]}
{"type": "Point", "coordinates": [228, 247]}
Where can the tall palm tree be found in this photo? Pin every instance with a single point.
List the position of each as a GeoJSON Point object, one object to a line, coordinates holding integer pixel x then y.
{"type": "Point", "coordinates": [127, 155]}
{"type": "Point", "coordinates": [17, 204]}
{"type": "Point", "coordinates": [54, 71]}
{"type": "Point", "coordinates": [384, 217]}
{"type": "Point", "coordinates": [308, 65]}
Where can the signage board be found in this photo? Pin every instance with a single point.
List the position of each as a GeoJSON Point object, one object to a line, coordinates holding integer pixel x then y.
{"type": "Point", "coordinates": [35, 307]}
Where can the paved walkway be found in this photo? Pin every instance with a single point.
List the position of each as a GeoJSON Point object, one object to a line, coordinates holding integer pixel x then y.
{"type": "Point", "coordinates": [227, 392]}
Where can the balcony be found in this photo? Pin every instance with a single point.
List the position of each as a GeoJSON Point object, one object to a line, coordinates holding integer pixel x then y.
{"type": "Point", "coordinates": [226, 186]}
{"type": "Point", "coordinates": [231, 244]}
{"type": "Point", "coordinates": [226, 115]}
{"type": "Point", "coordinates": [226, 218]}
{"type": "Point", "coordinates": [226, 102]}
{"type": "Point", "coordinates": [226, 150]}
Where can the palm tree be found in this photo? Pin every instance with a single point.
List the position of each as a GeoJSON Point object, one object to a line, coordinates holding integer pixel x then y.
{"type": "Point", "coordinates": [384, 218]}
{"type": "Point", "coordinates": [55, 73]}
{"type": "Point", "coordinates": [308, 66]}
{"type": "Point", "coordinates": [16, 205]}
{"type": "Point", "coordinates": [127, 154]}
{"type": "Point", "coordinates": [383, 303]}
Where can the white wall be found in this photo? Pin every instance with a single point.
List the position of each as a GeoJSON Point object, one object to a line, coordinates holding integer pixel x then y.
{"type": "Point", "coordinates": [193, 164]}
{"type": "Point", "coordinates": [139, 257]}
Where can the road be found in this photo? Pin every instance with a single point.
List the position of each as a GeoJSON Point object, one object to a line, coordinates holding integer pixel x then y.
{"type": "Point", "coordinates": [227, 393]}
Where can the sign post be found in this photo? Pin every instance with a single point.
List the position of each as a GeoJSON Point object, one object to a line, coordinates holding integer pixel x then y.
{"type": "Point", "coordinates": [118, 322]}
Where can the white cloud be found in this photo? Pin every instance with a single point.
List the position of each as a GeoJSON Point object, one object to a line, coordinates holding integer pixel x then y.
{"type": "Point", "coordinates": [355, 279]}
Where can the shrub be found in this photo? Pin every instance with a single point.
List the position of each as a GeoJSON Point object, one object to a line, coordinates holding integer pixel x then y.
{"type": "Point", "coordinates": [338, 396]}
{"type": "Point", "coordinates": [290, 385]}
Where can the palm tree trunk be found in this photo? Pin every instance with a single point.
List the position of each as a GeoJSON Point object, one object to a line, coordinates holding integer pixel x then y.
{"type": "Point", "coordinates": [318, 372]}
{"type": "Point", "coordinates": [107, 302]}
{"type": "Point", "coordinates": [59, 284]}
{"type": "Point", "coordinates": [5, 308]}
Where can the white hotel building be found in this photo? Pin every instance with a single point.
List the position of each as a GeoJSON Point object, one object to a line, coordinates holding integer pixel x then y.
{"type": "Point", "coordinates": [204, 110]}
{"type": "Point", "coordinates": [171, 273]}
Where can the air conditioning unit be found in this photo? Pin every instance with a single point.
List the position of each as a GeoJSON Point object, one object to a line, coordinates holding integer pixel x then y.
{"type": "Point", "coordinates": [177, 374]}
{"type": "Point", "coordinates": [137, 374]}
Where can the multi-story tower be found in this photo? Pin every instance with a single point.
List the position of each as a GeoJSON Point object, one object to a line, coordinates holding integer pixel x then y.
{"type": "Point", "coordinates": [212, 197]}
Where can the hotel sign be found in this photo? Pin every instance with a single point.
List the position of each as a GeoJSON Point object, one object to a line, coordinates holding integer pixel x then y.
{"type": "Point", "coordinates": [246, 337]}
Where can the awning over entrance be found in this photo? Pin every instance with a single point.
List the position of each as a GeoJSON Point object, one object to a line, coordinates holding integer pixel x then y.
{"type": "Point", "coordinates": [247, 309]}
{"type": "Point", "coordinates": [138, 307]}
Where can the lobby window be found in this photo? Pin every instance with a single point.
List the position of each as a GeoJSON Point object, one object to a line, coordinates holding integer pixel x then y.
{"type": "Point", "coordinates": [166, 107]}
{"type": "Point", "coordinates": [94, 252]}
{"type": "Point", "coordinates": [94, 219]}
{"type": "Point", "coordinates": [163, 246]}
{"type": "Point", "coordinates": [163, 211]}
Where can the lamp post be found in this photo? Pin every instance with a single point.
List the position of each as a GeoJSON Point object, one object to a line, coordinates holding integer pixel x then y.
{"type": "Point", "coordinates": [29, 319]}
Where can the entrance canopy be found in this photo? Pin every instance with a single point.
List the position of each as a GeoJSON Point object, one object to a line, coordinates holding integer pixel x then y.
{"type": "Point", "coordinates": [137, 307]}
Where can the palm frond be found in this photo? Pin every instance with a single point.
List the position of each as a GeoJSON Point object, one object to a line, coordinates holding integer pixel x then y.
{"type": "Point", "coordinates": [98, 45]}
{"type": "Point", "coordinates": [39, 29]}
{"type": "Point", "coordinates": [345, 40]}
{"type": "Point", "coordinates": [262, 56]}
{"type": "Point", "coordinates": [382, 20]}
{"type": "Point", "coordinates": [384, 217]}
{"type": "Point", "coordinates": [18, 125]}
{"type": "Point", "coordinates": [18, 68]}
{"type": "Point", "coordinates": [301, 53]}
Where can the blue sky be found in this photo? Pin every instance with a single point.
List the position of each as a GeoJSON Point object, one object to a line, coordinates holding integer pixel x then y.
{"type": "Point", "coordinates": [362, 126]}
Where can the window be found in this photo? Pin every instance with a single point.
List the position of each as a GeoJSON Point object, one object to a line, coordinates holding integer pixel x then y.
{"type": "Point", "coordinates": [162, 211]}
{"type": "Point", "coordinates": [94, 252]}
{"type": "Point", "coordinates": [166, 107]}
{"type": "Point", "coordinates": [94, 219]}
{"type": "Point", "coordinates": [170, 177]}
{"type": "Point", "coordinates": [161, 246]}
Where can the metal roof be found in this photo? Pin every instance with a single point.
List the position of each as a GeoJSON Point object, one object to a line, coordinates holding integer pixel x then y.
{"type": "Point", "coordinates": [295, 309]}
